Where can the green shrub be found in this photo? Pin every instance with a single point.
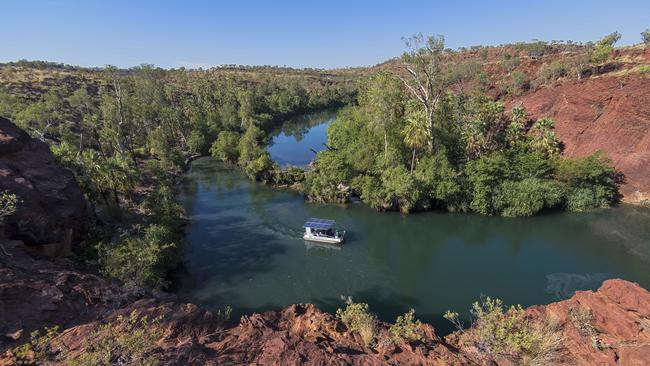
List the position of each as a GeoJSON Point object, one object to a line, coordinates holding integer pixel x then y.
{"type": "Point", "coordinates": [500, 331]}
{"type": "Point", "coordinates": [642, 70]}
{"type": "Point", "coordinates": [551, 72]}
{"type": "Point", "coordinates": [485, 174]}
{"type": "Point", "coordinates": [322, 183]}
{"type": "Point", "coordinates": [226, 146]}
{"type": "Point", "coordinates": [406, 327]}
{"type": "Point", "coordinates": [593, 181]}
{"type": "Point", "coordinates": [645, 36]}
{"type": "Point", "coordinates": [162, 206]}
{"type": "Point", "coordinates": [604, 47]}
{"type": "Point", "coordinates": [358, 319]}
{"type": "Point", "coordinates": [8, 203]}
{"type": "Point", "coordinates": [140, 260]}
{"type": "Point", "coordinates": [126, 341]}
{"type": "Point", "coordinates": [223, 315]}
{"type": "Point", "coordinates": [518, 82]}
{"type": "Point", "coordinates": [260, 168]}
{"type": "Point", "coordinates": [527, 197]}
{"type": "Point", "coordinates": [37, 350]}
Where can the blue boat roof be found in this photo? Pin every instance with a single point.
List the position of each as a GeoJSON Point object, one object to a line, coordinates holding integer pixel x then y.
{"type": "Point", "coordinates": [315, 223]}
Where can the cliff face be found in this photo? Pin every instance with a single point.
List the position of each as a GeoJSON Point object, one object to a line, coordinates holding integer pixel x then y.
{"type": "Point", "coordinates": [608, 113]}
{"type": "Point", "coordinates": [51, 208]}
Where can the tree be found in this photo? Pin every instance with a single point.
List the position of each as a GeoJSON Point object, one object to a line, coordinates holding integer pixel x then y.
{"type": "Point", "coordinates": [416, 133]}
{"type": "Point", "coordinates": [383, 98]}
{"type": "Point", "coordinates": [544, 136]}
{"type": "Point", "coordinates": [605, 46]}
{"type": "Point", "coordinates": [426, 82]}
{"type": "Point", "coordinates": [645, 36]}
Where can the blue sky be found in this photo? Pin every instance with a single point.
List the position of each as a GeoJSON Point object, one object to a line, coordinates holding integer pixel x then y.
{"type": "Point", "coordinates": [306, 33]}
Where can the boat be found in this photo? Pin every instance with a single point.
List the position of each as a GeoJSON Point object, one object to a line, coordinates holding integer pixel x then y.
{"type": "Point", "coordinates": [320, 230]}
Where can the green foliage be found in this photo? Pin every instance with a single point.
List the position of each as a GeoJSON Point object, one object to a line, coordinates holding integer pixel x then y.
{"type": "Point", "coordinates": [358, 319]}
{"type": "Point", "coordinates": [473, 156]}
{"type": "Point", "coordinates": [37, 350]}
{"type": "Point", "coordinates": [535, 49]}
{"type": "Point", "coordinates": [507, 331]}
{"type": "Point", "coordinates": [323, 183]}
{"type": "Point", "coordinates": [593, 181]}
{"type": "Point", "coordinates": [518, 82]}
{"type": "Point", "coordinates": [604, 47]}
{"type": "Point", "coordinates": [226, 147]}
{"type": "Point", "coordinates": [551, 72]}
{"type": "Point", "coordinates": [140, 260]}
{"type": "Point", "coordinates": [527, 197]}
{"type": "Point", "coordinates": [406, 328]}
{"type": "Point", "coordinates": [645, 37]}
{"type": "Point", "coordinates": [642, 70]}
{"type": "Point", "coordinates": [485, 175]}
{"type": "Point", "coordinates": [126, 341]}
{"type": "Point", "coordinates": [8, 202]}
{"type": "Point", "coordinates": [223, 315]}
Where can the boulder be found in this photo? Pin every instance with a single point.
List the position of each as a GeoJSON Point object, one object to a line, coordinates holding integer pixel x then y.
{"type": "Point", "coordinates": [51, 209]}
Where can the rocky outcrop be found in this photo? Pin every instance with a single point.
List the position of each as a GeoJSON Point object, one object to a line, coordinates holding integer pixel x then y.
{"type": "Point", "coordinates": [608, 113]}
{"type": "Point", "coordinates": [614, 328]}
{"type": "Point", "coordinates": [52, 208]}
{"type": "Point", "coordinates": [39, 293]}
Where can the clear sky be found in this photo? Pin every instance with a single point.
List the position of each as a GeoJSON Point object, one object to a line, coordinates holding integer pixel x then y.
{"type": "Point", "coordinates": [307, 33]}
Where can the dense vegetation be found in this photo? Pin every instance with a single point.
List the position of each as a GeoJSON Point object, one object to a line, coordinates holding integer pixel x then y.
{"type": "Point", "coordinates": [126, 135]}
{"type": "Point", "coordinates": [418, 140]}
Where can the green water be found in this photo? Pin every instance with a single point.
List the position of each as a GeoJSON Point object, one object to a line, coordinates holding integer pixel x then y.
{"type": "Point", "coordinates": [244, 248]}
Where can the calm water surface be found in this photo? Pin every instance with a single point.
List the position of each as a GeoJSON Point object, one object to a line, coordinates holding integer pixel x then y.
{"type": "Point", "coordinates": [244, 248]}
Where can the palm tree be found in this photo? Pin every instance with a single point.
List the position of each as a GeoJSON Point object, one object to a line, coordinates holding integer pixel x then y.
{"type": "Point", "coordinates": [416, 133]}
{"type": "Point", "coordinates": [544, 136]}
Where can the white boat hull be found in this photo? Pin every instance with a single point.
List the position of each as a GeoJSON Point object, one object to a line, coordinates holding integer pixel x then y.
{"type": "Point", "coordinates": [324, 239]}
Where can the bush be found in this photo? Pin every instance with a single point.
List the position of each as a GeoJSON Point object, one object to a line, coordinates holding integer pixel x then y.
{"type": "Point", "coordinates": [140, 260]}
{"type": "Point", "coordinates": [226, 146]}
{"type": "Point", "coordinates": [8, 203]}
{"type": "Point", "coordinates": [358, 319]}
{"type": "Point", "coordinates": [501, 331]}
{"type": "Point", "coordinates": [642, 70]}
{"type": "Point", "coordinates": [37, 350]}
{"type": "Point", "coordinates": [484, 175]}
{"type": "Point", "coordinates": [406, 327]}
{"type": "Point", "coordinates": [551, 72]}
{"type": "Point", "coordinates": [323, 182]}
{"type": "Point", "coordinates": [125, 341]}
{"type": "Point", "coordinates": [645, 36]}
{"type": "Point", "coordinates": [593, 181]}
{"type": "Point", "coordinates": [260, 168]}
{"type": "Point", "coordinates": [604, 47]}
{"type": "Point", "coordinates": [527, 197]}
{"type": "Point", "coordinates": [162, 206]}
{"type": "Point", "coordinates": [518, 82]}
{"type": "Point", "coordinates": [437, 179]}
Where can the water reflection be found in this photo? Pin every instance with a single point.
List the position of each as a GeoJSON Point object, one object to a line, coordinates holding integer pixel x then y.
{"type": "Point", "coordinates": [300, 138]}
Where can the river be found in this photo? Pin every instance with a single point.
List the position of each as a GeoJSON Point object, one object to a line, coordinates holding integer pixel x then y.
{"type": "Point", "coordinates": [244, 248]}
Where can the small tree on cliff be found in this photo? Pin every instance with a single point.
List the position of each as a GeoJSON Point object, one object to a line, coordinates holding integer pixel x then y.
{"type": "Point", "coordinates": [645, 36]}
{"type": "Point", "coordinates": [605, 46]}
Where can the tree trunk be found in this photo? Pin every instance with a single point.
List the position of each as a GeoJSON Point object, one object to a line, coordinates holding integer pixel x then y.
{"type": "Point", "coordinates": [413, 161]}
{"type": "Point", "coordinates": [385, 143]}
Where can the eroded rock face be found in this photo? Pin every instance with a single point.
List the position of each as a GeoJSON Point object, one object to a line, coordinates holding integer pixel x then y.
{"type": "Point", "coordinates": [52, 208]}
{"type": "Point", "coordinates": [609, 113]}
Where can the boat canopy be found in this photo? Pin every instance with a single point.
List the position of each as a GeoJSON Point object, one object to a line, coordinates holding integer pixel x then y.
{"type": "Point", "coordinates": [322, 224]}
